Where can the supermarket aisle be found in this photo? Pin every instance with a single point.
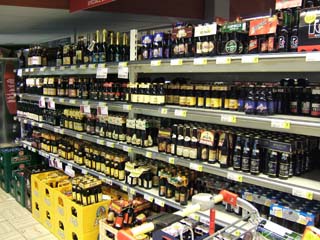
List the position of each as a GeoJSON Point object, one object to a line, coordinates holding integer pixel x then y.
{"type": "Point", "coordinates": [17, 223]}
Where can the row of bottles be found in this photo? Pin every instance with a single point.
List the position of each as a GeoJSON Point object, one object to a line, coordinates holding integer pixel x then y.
{"type": "Point", "coordinates": [111, 47]}
{"type": "Point", "coordinates": [252, 151]}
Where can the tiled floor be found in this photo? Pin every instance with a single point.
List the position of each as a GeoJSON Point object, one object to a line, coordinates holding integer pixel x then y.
{"type": "Point", "coordinates": [17, 223]}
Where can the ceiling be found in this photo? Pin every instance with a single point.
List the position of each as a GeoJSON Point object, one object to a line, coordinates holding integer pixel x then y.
{"type": "Point", "coordinates": [27, 25]}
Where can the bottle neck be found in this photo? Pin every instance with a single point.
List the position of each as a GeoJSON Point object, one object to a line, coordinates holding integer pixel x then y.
{"type": "Point", "coordinates": [97, 37]}
{"type": "Point", "coordinates": [111, 39]}
{"type": "Point", "coordinates": [118, 39]}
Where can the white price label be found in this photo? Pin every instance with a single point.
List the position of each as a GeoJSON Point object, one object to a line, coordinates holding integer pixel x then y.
{"type": "Point", "coordinates": [92, 66]}
{"type": "Point", "coordinates": [196, 167]}
{"type": "Point", "coordinates": [61, 131]}
{"type": "Point", "coordinates": [148, 197]}
{"type": "Point", "coordinates": [33, 150]}
{"type": "Point", "coordinates": [27, 70]}
{"type": "Point", "coordinates": [299, 192]}
{"type": "Point", "coordinates": [83, 66]}
{"type": "Point", "coordinates": [40, 125]}
{"type": "Point", "coordinates": [164, 111]}
{"type": "Point", "coordinates": [25, 121]}
{"type": "Point", "coordinates": [123, 72]}
{"type": "Point", "coordinates": [62, 68]}
{"type": "Point", "coordinates": [72, 101]}
{"type": "Point", "coordinates": [51, 104]}
{"type": "Point", "coordinates": [102, 111]}
{"type": "Point", "coordinates": [159, 202]}
{"type": "Point", "coordinates": [19, 72]}
{"type": "Point", "coordinates": [313, 57]}
{"type": "Point", "coordinates": [73, 67]}
{"type": "Point", "coordinates": [127, 107]}
{"type": "Point", "coordinates": [250, 59]}
{"type": "Point", "coordinates": [109, 181]}
{"type": "Point", "coordinates": [85, 102]}
{"type": "Point", "coordinates": [123, 64]}
{"type": "Point", "coordinates": [223, 60]}
{"type": "Point", "coordinates": [228, 118]}
{"type": "Point", "coordinates": [84, 171]}
{"type": "Point", "coordinates": [52, 69]}
{"type": "Point", "coordinates": [155, 63]}
{"type": "Point", "coordinates": [100, 141]}
{"type": "Point", "coordinates": [124, 188]}
{"type": "Point", "coordinates": [235, 177]}
{"type": "Point", "coordinates": [102, 73]}
{"type": "Point", "coordinates": [132, 191]}
{"type": "Point", "coordinates": [149, 154]}
{"type": "Point", "coordinates": [61, 100]}
{"type": "Point", "coordinates": [86, 109]}
{"type": "Point", "coordinates": [79, 136]}
{"type": "Point", "coordinates": [200, 61]}
{"type": "Point", "coordinates": [102, 104]}
{"type": "Point", "coordinates": [42, 69]}
{"type": "Point", "coordinates": [171, 160]}
{"type": "Point", "coordinates": [127, 149]}
{"type": "Point", "coordinates": [180, 113]}
{"type": "Point", "coordinates": [195, 217]}
{"type": "Point", "coordinates": [284, 124]}
{"type": "Point", "coordinates": [31, 69]}
{"type": "Point", "coordinates": [69, 171]}
{"type": "Point", "coordinates": [205, 30]}
{"type": "Point", "coordinates": [111, 144]}
{"type": "Point", "coordinates": [56, 130]}
{"type": "Point", "coordinates": [102, 65]}
{"type": "Point", "coordinates": [42, 102]}
{"type": "Point", "coordinates": [176, 62]}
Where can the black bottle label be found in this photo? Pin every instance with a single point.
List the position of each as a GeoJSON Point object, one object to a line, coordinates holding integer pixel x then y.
{"type": "Point", "coordinates": [284, 170]}
{"type": "Point", "coordinates": [249, 107]}
{"type": "Point", "coordinates": [255, 165]}
{"type": "Point", "coordinates": [236, 162]}
{"type": "Point", "coordinates": [272, 168]}
{"type": "Point", "coordinates": [306, 107]}
{"type": "Point", "coordinates": [294, 42]}
{"type": "Point", "coordinates": [245, 164]}
{"type": "Point", "coordinates": [262, 107]}
{"type": "Point", "coordinates": [282, 42]}
{"type": "Point", "coordinates": [231, 47]}
{"type": "Point", "coordinates": [102, 57]}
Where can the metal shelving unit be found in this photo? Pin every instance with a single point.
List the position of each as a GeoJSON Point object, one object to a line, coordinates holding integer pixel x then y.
{"type": "Point", "coordinates": [297, 124]}
{"type": "Point", "coordinates": [299, 186]}
{"type": "Point", "coordinates": [151, 195]}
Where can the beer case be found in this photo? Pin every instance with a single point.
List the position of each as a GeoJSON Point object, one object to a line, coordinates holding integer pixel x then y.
{"type": "Point", "coordinates": [309, 31]}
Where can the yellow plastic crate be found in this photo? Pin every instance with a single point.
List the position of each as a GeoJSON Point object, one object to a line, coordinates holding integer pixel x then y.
{"type": "Point", "coordinates": [94, 235]}
{"type": "Point", "coordinates": [60, 203]}
{"type": "Point", "coordinates": [104, 229]}
{"type": "Point", "coordinates": [48, 220]}
{"type": "Point", "coordinates": [37, 210]}
{"type": "Point", "coordinates": [85, 219]}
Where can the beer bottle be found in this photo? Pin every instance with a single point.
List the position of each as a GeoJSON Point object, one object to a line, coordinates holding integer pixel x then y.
{"type": "Point", "coordinates": [284, 167]}
{"type": "Point", "coordinates": [223, 150]}
{"type": "Point", "coordinates": [194, 144]}
{"type": "Point", "coordinates": [237, 156]}
{"type": "Point", "coordinates": [96, 51]}
{"type": "Point", "coordinates": [246, 154]}
{"type": "Point", "coordinates": [283, 36]}
{"type": "Point", "coordinates": [255, 164]}
{"type": "Point", "coordinates": [186, 144]}
{"type": "Point", "coordinates": [273, 163]}
{"type": "Point", "coordinates": [250, 103]}
{"type": "Point", "coordinates": [179, 149]}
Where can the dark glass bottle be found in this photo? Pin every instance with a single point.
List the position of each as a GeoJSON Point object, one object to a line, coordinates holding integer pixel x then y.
{"type": "Point", "coordinates": [162, 186]}
{"type": "Point", "coordinates": [261, 106]}
{"type": "Point", "coordinates": [174, 137]}
{"type": "Point", "coordinates": [22, 60]}
{"type": "Point", "coordinates": [284, 165]}
{"type": "Point", "coordinates": [179, 148]}
{"type": "Point", "coordinates": [294, 38]}
{"type": "Point", "coordinates": [103, 47]}
{"type": "Point", "coordinates": [250, 103]}
{"type": "Point", "coordinates": [237, 156]}
{"type": "Point", "coordinates": [80, 52]}
{"type": "Point", "coordinates": [223, 149]}
{"type": "Point", "coordinates": [246, 154]}
{"type": "Point", "coordinates": [194, 144]}
{"type": "Point", "coordinates": [273, 163]}
{"type": "Point", "coordinates": [184, 192]}
{"type": "Point", "coordinates": [117, 52]}
{"type": "Point", "coordinates": [96, 51]}
{"type": "Point", "coordinates": [124, 49]}
{"type": "Point", "coordinates": [255, 162]}
{"type": "Point", "coordinates": [283, 36]}
{"type": "Point", "coordinates": [59, 56]}
{"type": "Point", "coordinates": [111, 49]}
{"type": "Point", "coordinates": [186, 143]}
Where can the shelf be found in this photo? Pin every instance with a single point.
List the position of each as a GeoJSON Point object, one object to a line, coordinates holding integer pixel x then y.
{"type": "Point", "coordinates": [84, 69]}
{"type": "Point", "coordinates": [278, 62]}
{"type": "Point", "coordinates": [298, 125]}
{"type": "Point", "coordinates": [73, 102]}
{"type": "Point", "coordinates": [298, 186]}
{"type": "Point", "coordinates": [222, 218]}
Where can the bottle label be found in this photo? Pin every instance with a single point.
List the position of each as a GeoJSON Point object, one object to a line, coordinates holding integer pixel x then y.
{"type": "Point", "coordinates": [233, 104]}
{"type": "Point", "coordinates": [272, 168]}
{"type": "Point", "coordinates": [294, 42]}
{"type": "Point", "coordinates": [205, 47]}
{"type": "Point", "coordinates": [36, 60]}
{"type": "Point", "coordinates": [179, 150]}
{"type": "Point", "coordinates": [284, 170]}
{"type": "Point", "coordinates": [200, 102]}
{"type": "Point", "coordinates": [199, 48]}
{"type": "Point", "coordinates": [293, 107]}
{"type": "Point", "coordinates": [216, 102]}
{"type": "Point", "coordinates": [253, 44]}
{"type": "Point", "coordinates": [240, 104]}
{"type": "Point", "coordinates": [315, 109]}
{"type": "Point", "coordinates": [58, 62]}
{"type": "Point", "coordinates": [236, 161]}
{"type": "Point", "coordinates": [190, 101]}
{"type": "Point", "coordinates": [95, 58]}
{"type": "Point", "coordinates": [167, 52]}
{"type": "Point", "coordinates": [271, 44]}
{"type": "Point", "coordinates": [245, 166]}
{"type": "Point", "coordinates": [264, 46]}
{"type": "Point", "coordinates": [231, 46]}
{"type": "Point", "coordinates": [204, 153]}
{"type": "Point", "coordinates": [305, 107]}
{"type": "Point", "coordinates": [181, 49]}
{"type": "Point", "coordinates": [255, 165]}
{"type": "Point", "coordinates": [223, 159]}
{"type": "Point", "coordinates": [208, 102]}
{"type": "Point", "coordinates": [79, 55]}
{"type": "Point", "coordinates": [281, 42]}
{"type": "Point", "coordinates": [249, 106]}
{"type": "Point", "coordinates": [102, 57]}
{"type": "Point", "coordinates": [85, 59]}
{"type": "Point", "coordinates": [193, 153]}
{"type": "Point", "coordinates": [213, 155]}
{"type": "Point", "coordinates": [211, 47]}
{"type": "Point", "coordinates": [66, 60]}
{"type": "Point", "coordinates": [186, 152]}
{"type": "Point", "coordinates": [261, 107]}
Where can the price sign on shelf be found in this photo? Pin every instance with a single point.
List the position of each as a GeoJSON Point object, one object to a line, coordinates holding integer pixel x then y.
{"type": "Point", "coordinates": [176, 62]}
{"type": "Point", "coordinates": [223, 60]}
{"type": "Point", "coordinates": [313, 57]}
{"type": "Point", "coordinates": [250, 59]}
{"type": "Point", "coordinates": [62, 68]}
{"type": "Point", "coordinates": [111, 144]}
{"type": "Point", "coordinates": [284, 124]}
{"type": "Point", "coordinates": [228, 118]}
{"type": "Point", "coordinates": [180, 113]}
{"type": "Point", "coordinates": [102, 73]}
{"type": "Point", "coordinates": [123, 72]}
{"type": "Point", "coordinates": [155, 63]}
{"type": "Point", "coordinates": [92, 66]}
{"type": "Point", "coordinates": [72, 101]}
{"type": "Point", "coordinates": [299, 192]}
{"type": "Point", "coordinates": [102, 111]}
{"type": "Point", "coordinates": [84, 171]}
{"type": "Point", "coordinates": [79, 136]}
{"type": "Point", "coordinates": [52, 69]}
{"type": "Point", "coordinates": [200, 61]}
{"type": "Point", "coordinates": [149, 154]}
{"type": "Point", "coordinates": [127, 149]}
{"type": "Point", "coordinates": [196, 167]}
{"type": "Point", "coordinates": [123, 64]}
{"type": "Point", "coordinates": [51, 104]}
{"type": "Point", "coordinates": [164, 111]}
{"type": "Point", "coordinates": [100, 141]}
{"type": "Point", "coordinates": [148, 197]}
{"type": "Point", "coordinates": [124, 188]}
{"type": "Point", "coordinates": [234, 176]}
{"type": "Point", "coordinates": [171, 160]}
{"type": "Point", "coordinates": [69, 171]}
{"type": "Point", "coordinates": [19, 73]}
{"type": "Point", "coordinates": [159, 202]}
{"type": "Point", "coordinates": [86, 109]}
{"type": "Point", "coordinates": [83, 66]}
{"type": "Point", "coordinates": [132, 191]}
{"type": "Point", "coordinates": [127, 107]}
{"type": "Point", "coordinates": [42, 102]}
{"type": "Point", "coordinates": [61, 100]}
{"type": "Point", "coordinates": [73, 67]}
